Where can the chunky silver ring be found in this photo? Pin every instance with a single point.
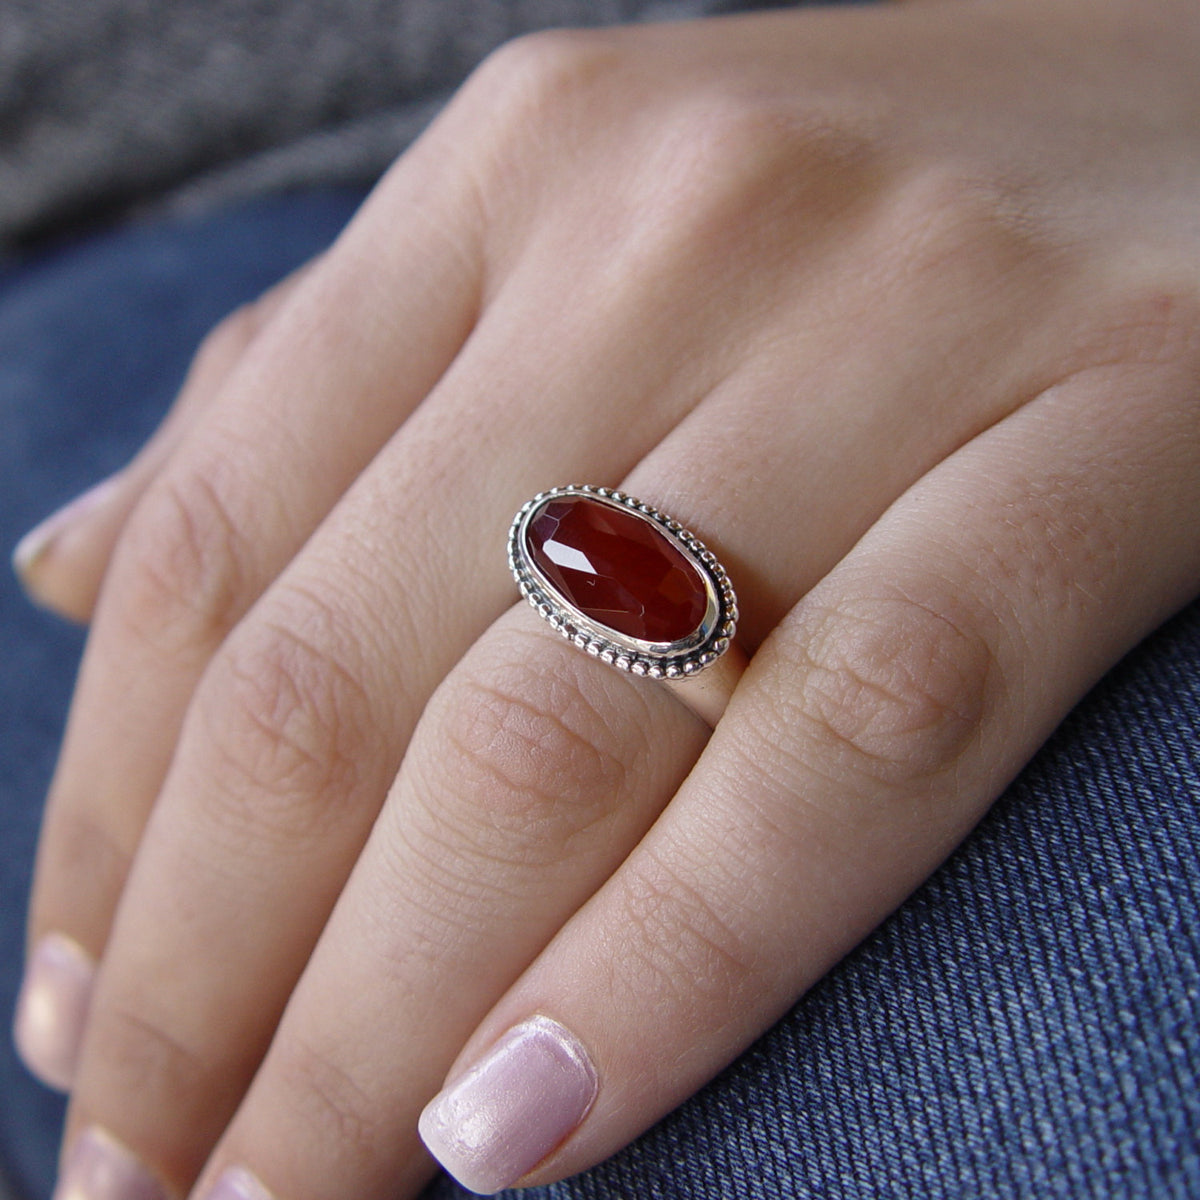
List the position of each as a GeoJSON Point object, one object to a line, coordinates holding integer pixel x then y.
{"type": "Point", "coordinates": [633, 588]}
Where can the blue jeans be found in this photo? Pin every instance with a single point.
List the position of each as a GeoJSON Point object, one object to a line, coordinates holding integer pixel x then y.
{"type": "Point", "coordinates": [1027, 1025]}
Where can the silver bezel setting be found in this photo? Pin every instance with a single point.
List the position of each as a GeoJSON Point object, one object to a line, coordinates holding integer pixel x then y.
{"type": "Point", "coordinates": [658, 660]}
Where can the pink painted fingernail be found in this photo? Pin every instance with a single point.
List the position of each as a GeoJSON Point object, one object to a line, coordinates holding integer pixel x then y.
{"type": "Point", "coordinates": [100, 1168]}
{"type": "Point", "coordinates": [510, 1110]}
{"type": "Point", "coordinates": [52, 1009]}
{"type": "Point", "coordinates": [237, 1183]}
{"type": "Point", "coordinates": [40, 538]}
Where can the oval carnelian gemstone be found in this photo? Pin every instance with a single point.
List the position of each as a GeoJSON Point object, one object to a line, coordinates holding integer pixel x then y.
{"type": "Point", "coordinates": [618, 568]}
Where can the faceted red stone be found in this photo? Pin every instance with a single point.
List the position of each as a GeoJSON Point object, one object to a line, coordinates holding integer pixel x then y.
{"type": "Point", "coordinates": [618, 568]}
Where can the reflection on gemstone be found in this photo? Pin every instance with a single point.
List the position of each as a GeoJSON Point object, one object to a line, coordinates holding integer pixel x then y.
{"type": "Point", "coordinates": [618, 568]}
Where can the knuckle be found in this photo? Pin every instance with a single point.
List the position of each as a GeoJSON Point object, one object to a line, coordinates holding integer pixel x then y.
{"type": "Point", "coordinates": [708, 172]}
{"type": "Point", "coordinates": [684, 952]}
{"type": "Point", "coordinates": [288, 719]}
{"type": "Point", "coordinates": [88, 852]}
{"type": "Point", "coordinates": [137, 1045]}
{"type": "Point", "coordinates": [525, 108]}
{"type": "Point", "coordinates": [713, 187]}
{"type": "Point", "coordinates": [534, 79]}
{"type": "Point", "coordinates": [886, 691]}
{"type": "Point", "coordinates": [183, 559]}
{"type": "Point", "coordinates": [952, 225]}
{"type": "Point", "coordinates": [740, 155]}
{"type": "Point", "coordinates": [325, 1100]}
{"type": "Point", "coordinates": [225, 343]}
{"type": "Point", "coordinates": [533, 759]}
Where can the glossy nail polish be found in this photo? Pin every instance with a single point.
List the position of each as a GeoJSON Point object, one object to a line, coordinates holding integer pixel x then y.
{"type": "Point", "coordinates": [39, 539]}
{"type": "Point", "coordinates": [506, 1114]}
{"type": "Point", "coordinates": [52, 1009]}
{"type": "Point", "coordinates": [100, 1168]}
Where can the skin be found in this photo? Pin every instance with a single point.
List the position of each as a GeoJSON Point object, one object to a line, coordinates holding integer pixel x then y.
{"type": "Point", "coordinates": [896, 308]}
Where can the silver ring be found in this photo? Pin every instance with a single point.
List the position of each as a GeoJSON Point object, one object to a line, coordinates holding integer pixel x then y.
{"type": "Point", "coordinates": [629, 586]}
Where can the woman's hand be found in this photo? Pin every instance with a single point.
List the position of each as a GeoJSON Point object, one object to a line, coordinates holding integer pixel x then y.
{"type": "Point", "coordinates": [897, 308]}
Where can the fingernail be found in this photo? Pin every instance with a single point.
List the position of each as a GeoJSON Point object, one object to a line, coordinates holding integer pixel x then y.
{"type": "Point", "coordinates": [100, 1168]}
{"type": "Point", "coordinates": [510, 1110]}
{"type": "Point", "coordinates": [52, 1009]}
{"type": "Point", "coordinates": [237, 1183]}
{"type": "Point", "coordinates": [39, 539]}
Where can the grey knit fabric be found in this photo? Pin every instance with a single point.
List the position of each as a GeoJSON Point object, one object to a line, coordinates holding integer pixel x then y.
{"type": "Point", "coordinates": [107, 103]}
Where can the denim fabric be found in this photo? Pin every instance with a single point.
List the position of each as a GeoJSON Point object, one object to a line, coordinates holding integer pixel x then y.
{"type": "Point", "coordinates": [1028, 1025]}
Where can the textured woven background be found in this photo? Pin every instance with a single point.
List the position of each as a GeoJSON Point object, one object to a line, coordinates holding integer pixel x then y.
{"type": "Point", "coordinates": [110, 103]}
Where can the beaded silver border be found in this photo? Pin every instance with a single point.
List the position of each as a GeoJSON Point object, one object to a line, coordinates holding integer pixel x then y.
{"type": "Point", "coordinates": [658, 660]}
